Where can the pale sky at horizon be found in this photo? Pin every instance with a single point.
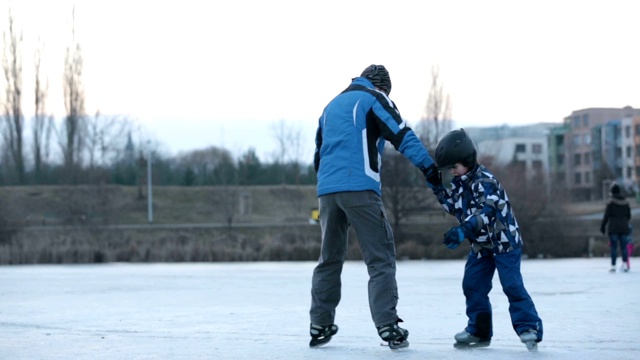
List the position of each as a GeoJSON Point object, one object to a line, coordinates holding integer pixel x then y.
{"type": "Point", "coordinates": [199, 73]}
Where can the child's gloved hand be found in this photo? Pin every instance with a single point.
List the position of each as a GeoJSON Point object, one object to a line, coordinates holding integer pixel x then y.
{"type": "Point", "coordinates": [433, 176]}
{"type": "Point", "coordinates": [454, 237]}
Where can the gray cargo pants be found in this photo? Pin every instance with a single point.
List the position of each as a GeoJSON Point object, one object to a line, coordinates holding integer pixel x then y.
{"type": "Point", "coordinates": [364, 211]}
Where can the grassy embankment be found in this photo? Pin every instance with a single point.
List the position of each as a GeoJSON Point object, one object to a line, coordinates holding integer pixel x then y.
{"type": "Point", "coordinates": [110, 223]}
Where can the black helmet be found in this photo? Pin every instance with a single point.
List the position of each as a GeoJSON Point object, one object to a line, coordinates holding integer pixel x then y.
{"type": "Point", "coordinates": [456, 147]}
{"type": "Point", "coordinates": [379, 77]}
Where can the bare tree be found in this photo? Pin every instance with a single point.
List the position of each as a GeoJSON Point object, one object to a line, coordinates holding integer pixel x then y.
{"type": "Point", "coordinates": [403, 190]}
{"type": "Point", "coordinates": [436, 120]}
{"type": "Point", "coordinates": [42, 123]}
{"type": "Point", "coordinates": [106, 137]}
{"type": "Point", "coordinates": [71, 135]}
{"type": "Point", "coordinates": [14, 119]}
{"type": "Point", "coordinates": [290, 147]}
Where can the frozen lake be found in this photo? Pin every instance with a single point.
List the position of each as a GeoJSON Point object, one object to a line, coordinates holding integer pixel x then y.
{"type": "Point", "coordinates": [260, 311]}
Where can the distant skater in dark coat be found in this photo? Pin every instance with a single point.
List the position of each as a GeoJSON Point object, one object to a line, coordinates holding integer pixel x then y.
{"type": "Point", "coordinates": [617, 215]}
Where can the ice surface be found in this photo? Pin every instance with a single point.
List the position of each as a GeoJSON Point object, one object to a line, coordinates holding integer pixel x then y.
{"type": "Point", "coordinates": [260, 311]}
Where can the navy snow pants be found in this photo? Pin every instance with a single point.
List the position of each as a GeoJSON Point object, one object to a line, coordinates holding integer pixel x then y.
{"type": "Point", "coordinates": [477, 283]}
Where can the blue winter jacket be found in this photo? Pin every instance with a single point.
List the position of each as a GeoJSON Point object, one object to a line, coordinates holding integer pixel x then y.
{"type": "Point", "coordinates": [351, 136]}
{"type": "Point", "coordinates": [480, 203]}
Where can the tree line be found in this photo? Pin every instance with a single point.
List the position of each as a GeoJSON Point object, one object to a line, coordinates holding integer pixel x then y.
{"type": "Point", "coordinates": [83, 148]}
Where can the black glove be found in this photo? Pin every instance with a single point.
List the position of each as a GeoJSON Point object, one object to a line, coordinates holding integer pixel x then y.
{"type": "Point", "coordinates": [602, 230]}
{"type": "Point", "coordinates": [433, 176]}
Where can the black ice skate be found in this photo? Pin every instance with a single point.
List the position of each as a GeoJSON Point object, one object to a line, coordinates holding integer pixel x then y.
{"type": "Point", "coordinates": [394, 335]}
{"type": "Point", "coordinates": [321, 335]}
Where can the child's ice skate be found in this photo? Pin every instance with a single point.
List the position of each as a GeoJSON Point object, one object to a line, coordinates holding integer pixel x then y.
{"type": "Point", "coordinates": [321, 335]}
{"type": "Point", "coordinates": [464, 340]}
{"type": "Point", "coordinates": [530, 339]}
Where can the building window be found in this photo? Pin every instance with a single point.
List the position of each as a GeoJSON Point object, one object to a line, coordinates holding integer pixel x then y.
{"type": "Point", "coordinates": [560, 159]}
{"type": "Point", "coordinates": [576, 159]}
{"type": "Point", "coordinates": [585, 120]}
{"type": "Point", "coordinates": [627, 132]}
{"type": "Point", "coordinates": [629, 172]}
{"type": "Point", "coordinates": [587, 158]}
{"type": "Point", "coordinates": [577, 139]}
{"type": "Point", "coordinates": [629, 152]}
{"type": "Point", "coordinates": [536, 148]}
{"type": "Point", "coordinates": [587, 178]}
{"type": "Point", "coordinates": [637, 150]}
{"type": "Point", "coordinates": [637, 129]}
{"type": "Point", "coordinates": [536, 164]}
{"type": "Point", "coordinates": [576, 121]}
{"type": "Point", "coordinates": [520, 148]}
{"type": "Point", "coordinates": [578, 178]}
{"type": "Point", "coordinates": [587, 139]}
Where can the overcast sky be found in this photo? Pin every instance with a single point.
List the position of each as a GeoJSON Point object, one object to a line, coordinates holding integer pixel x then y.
{"type": "Point", "coordinates": [201, 73]}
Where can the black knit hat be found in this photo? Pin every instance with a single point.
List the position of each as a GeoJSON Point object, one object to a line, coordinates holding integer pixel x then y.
{"type": "Point", "coordinates": [379, 77]}
{"type": "Point", "coordinates": [615, 189]}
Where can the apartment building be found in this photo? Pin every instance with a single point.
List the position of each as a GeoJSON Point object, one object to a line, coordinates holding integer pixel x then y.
{"type": "Point", "coordinates": [522, 146]}
{"type": "Point", "coordinates": [594, 147]}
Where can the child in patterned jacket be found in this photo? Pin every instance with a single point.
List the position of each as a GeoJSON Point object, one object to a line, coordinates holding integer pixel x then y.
{"type": "Point", "coordinates": [481, 206]}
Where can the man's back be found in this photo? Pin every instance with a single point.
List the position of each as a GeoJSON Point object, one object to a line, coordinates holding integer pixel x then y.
{"type": "Point", "coordinates": [351, 145]}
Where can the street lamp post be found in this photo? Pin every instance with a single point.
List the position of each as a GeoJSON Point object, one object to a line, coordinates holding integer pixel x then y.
{"type": "Point", "coordinates": [149, 187]}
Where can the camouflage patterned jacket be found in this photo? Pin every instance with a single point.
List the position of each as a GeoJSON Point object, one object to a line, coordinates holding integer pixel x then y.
{"type": "Point", "coordinates": [478, 199]}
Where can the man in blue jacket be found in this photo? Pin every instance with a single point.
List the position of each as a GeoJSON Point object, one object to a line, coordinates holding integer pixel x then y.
{"type": "Point", "coordinates": [350, 140]}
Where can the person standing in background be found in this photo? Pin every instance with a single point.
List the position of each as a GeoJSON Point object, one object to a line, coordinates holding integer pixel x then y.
{"type": "Point", "coordinates": [615, 223]}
